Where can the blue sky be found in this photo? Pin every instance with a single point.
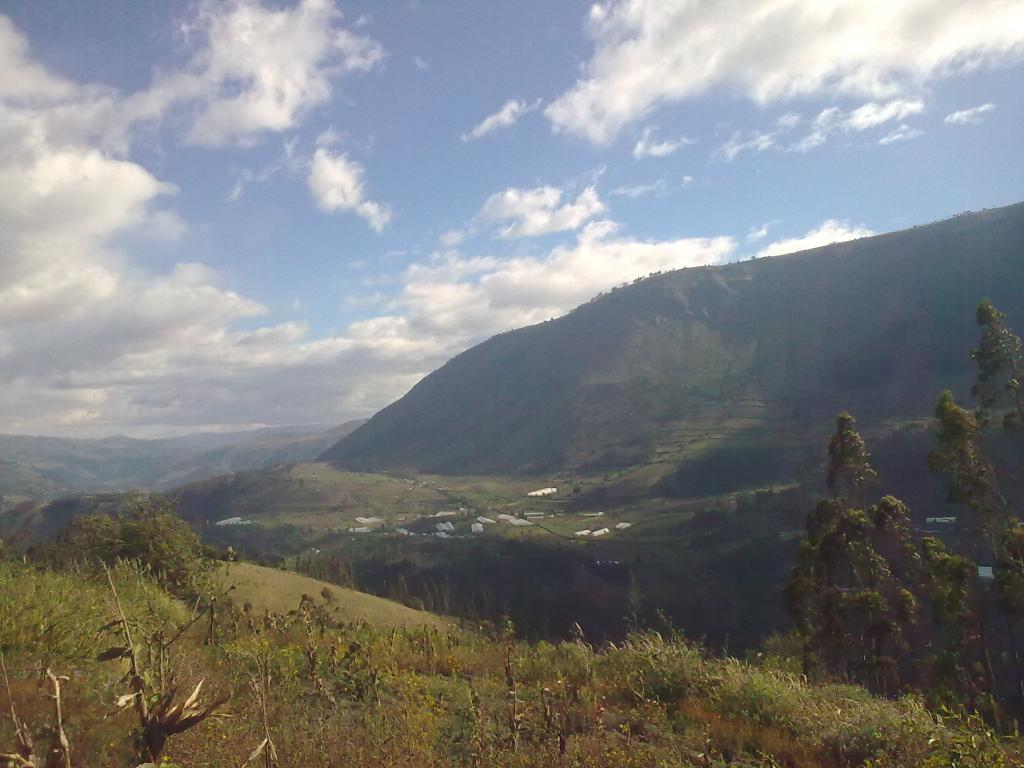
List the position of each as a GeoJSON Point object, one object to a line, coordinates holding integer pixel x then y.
{"type": "Point", "coordinates": [218, 215]}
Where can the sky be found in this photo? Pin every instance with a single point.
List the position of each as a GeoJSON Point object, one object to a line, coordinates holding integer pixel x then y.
{"type": "Point", "coordinates": [226, 214]}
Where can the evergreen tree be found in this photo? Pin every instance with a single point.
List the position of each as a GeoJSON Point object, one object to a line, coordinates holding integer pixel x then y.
{"type": "Point", "coordinates": [849, 594]}
{"type": "Point", "coordinates": [849, 469]}
{"type": "Point", "coordinates": [953, 673]}
{"type": "Point", "coordinates": [960, 456]}
{"type": "Point", "coordinates": [974, 479]}
{"type": "Point", "coordinates": [1000, 361]}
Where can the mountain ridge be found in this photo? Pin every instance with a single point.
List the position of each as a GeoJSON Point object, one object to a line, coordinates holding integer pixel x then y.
{"type": "Point", "coordinates": [756, 354]}
{"type": "Point", "coordinates": [41, 466]}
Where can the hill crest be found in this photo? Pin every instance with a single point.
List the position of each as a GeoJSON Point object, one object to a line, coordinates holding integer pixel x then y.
{"type": "Point", "coordinates": [751, 357]}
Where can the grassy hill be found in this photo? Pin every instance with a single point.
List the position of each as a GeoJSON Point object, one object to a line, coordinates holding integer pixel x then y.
{"type": "Point", "coordinates": [330, 692]}
{"type": "Point", "coordinates": [738, 367]}
{"type": "Point", "coordinates": [280, 591]}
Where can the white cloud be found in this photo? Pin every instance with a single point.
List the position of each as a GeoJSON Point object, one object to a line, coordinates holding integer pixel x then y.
{"type": "Point", "coordinates": [83, 327]}
{"type": "Point", "coordinates": [253, 70]}
{"type": "Point", "coordinates": [969, 116]}
{"type": "Point", "coordinates": [651, 52]}
{"type": "Point", "coordinates": [903, 132]}
{"type": "Point", "coordinates": [329, 137]}
{"type": "Point", "coordinates": [870, 115]}
{"type": "Point", "coordinates": [539, 211]}
{"type": "Point", "coordinates": [648, 146]}
{"type": "Point", "coordinates": [21, 78]}
{"type": "Point", "coordinates": [337, 185]}
{"type": "Point", "coordinates": [826, 233]}
{"type": "Point", "coordinates": [657, 188]}
{"type": "Point", "coordinates": [825, 123]}
{"type": "Point", "coordinates": [465, 299]}
{"type": "Point", "coordinates": [737, 144]}
{"type": "Point", "coordinates": [92, 344]}
{"type": "Point", "coordinates": [289, 162]}
{"type": "Point", "coordinates": [261, 68]}
{"type": "Point", "coordinates": [758, 233]}
{"type": "Point", "coordinates": [509, 114]}
{"type": "Point", "coordinates": [451, 238]}
{"type": "Point", "coordinates": [92, 340]}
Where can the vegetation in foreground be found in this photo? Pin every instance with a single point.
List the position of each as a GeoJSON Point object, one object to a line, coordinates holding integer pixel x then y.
{"type": "Point", "coordinates": [304, 689]}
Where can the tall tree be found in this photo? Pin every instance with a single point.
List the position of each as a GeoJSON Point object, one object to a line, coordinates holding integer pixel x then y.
{"type": "Point", "coordinates": [849, 466]}
{"type": "Point", "coordinates": [999, 359]}
{"type": "Point", "coordinates": [975, 479]}
{"type": "Point", "coordinates": [848, 594]}
{"type": "Point", "coordinates": [961, 457]}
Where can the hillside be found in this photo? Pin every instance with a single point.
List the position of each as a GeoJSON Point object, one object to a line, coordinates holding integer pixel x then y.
{"type": "Point", "coordinates": [45, 467]}
{"type": "Point", "coordinates": [367, 695]}
{"type": "Point", "coordinates": [735, 369]}
{"type": "Point", "coordinates": [280, 591]}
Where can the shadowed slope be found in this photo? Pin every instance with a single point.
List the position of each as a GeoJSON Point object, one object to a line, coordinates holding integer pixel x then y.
{"type": "Point", "coordinates": [748, 357]}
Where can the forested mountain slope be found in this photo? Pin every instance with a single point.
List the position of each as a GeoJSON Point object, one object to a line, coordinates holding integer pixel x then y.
{"type": "Point", "coordinates": [739, 367]}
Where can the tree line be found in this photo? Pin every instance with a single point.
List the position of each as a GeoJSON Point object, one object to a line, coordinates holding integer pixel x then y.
{"type": "Point", "coordinates": [877, 602]}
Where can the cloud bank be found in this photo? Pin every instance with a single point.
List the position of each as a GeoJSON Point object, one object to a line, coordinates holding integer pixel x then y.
{"type": "Point", "coordinates": [653, 52]}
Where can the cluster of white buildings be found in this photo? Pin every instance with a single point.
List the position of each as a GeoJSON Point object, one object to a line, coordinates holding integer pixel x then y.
{"type": "Point", "coordinates": [446, 529]}
{"type": "Point", "coordinates": [587, 532]}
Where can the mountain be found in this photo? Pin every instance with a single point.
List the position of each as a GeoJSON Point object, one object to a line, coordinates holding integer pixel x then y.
{"type": "Point", "coordinates": [44, 467]}
{"type": "Point", "coordinates": [732, 373]}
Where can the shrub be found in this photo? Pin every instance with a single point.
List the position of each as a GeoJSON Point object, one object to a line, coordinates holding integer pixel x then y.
{"type": "Point", "coordinates": [149, 533]}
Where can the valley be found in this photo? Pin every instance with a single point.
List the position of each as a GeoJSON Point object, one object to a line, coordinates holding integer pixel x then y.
{"type": "Point", "coordinates": [682, 419]}
{"type": "Point", "coordinates": [644, 467]}
{"type": "Point", "coordinates": [615, 384]}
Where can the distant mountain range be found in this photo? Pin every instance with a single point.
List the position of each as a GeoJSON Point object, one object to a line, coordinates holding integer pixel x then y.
{"type": "Point", "coordinates": [729, 376]}
{"type": "Point", "coordinates": [46, 467]}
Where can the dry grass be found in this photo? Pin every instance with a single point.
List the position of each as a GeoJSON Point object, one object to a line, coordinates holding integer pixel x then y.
{"type": "Point", "coordinates": [367, 693]}
{"type": "Point", "coordinates": [269, 589]}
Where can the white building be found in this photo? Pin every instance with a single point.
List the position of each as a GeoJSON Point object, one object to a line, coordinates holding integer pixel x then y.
{"type": "Point", "coordinates": [543, 492]}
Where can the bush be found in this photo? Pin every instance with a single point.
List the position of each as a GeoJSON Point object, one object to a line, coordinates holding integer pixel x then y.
{"type": "Point", "coordinates": [148, 533]}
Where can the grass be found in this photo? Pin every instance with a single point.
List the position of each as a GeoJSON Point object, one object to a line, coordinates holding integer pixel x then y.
{"type": "Point", "coordinates": [276, 591]}
{"type": "Point", "coordinates": [341, 693]}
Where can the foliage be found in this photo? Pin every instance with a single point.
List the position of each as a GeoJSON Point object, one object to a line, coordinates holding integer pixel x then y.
{"type": "Point", "coordinates": [849, 468]}
{"type": "Point", "coordinates": [147, 531]}
{"type": "Point", "coordinates": [850, 592]}
{"type": "Point", "coordinates": [306, 692]}
{"type": "Point", "coordinates": [960, 456]}
{"type": "Point", "coordinates": [1000, 361]}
